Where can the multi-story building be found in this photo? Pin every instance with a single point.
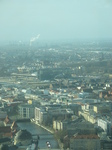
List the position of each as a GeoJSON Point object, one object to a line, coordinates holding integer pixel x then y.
{"type": "Point", "coordinates": [91, 117]}
{"type": "Point", "coordinates": [85, 142]}
{"type": "Point", "coordinates": [26, 111]}
{"type": "Point", "coordinates": [3, 114]}
{"type": "Point", "coordinates": [40, 115]}
{"type": "Point", "coordinates": [105, 125]}
{"type": "Point", "coordinates": [44, 113]}
{"type": "Point", "coordinates": [102, 108]}
{"type": "Point", "coordinates": [106, 144]}
{"type": "Point", "coordinates": [73, 127]}
{"type": "Point", "coordinates": [60, 125]}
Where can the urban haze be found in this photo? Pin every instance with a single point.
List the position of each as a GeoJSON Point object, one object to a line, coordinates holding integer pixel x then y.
{"type": "Point", "coordinates": [55, 75]}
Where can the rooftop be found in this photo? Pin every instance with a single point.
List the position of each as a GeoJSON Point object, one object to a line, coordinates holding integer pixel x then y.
{"type": "Point", "coordinates": [86, 137]}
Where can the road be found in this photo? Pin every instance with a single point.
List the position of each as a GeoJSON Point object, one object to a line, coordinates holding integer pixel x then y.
{"type": "Point", "coordinates": [43, 134]}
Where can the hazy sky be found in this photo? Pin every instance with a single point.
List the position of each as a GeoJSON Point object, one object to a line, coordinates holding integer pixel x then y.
{"type": "Point", "coordinates": [55, 19]}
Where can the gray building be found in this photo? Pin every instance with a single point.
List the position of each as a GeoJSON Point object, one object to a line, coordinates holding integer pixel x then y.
{"type": "Point", "coordinates": [26, 111]}
{"type": "Point", "coordinates": [105, 125]}
{"type": "Point", "coordinates": [40, 115]}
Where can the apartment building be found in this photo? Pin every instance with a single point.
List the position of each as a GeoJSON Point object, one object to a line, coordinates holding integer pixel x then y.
{"type": "Point", "coordinates": [26, 111]}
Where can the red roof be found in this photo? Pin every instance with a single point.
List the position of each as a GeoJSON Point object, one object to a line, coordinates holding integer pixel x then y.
{"type": "Point", "coordinates": [14, 125]}
{"type": "Point", "coordinates": [7, 120]}
{"type": "Point", "coordinates": [5, 129]}
{"type": "Point", "coordinates": [86, 137]}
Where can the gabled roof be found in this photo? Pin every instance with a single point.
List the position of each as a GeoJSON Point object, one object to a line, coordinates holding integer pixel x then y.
{"type": "Point", "coordinates": [7, 120]}
{"type": "Point", "coordinates": [14, 125]}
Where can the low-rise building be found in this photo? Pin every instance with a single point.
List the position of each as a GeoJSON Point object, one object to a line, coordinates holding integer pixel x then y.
{"type": "Point", "coordinates": [7, 121]}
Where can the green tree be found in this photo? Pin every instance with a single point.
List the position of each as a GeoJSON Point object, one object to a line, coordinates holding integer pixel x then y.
{"type": "Point", "coordinates": [60, 135]}
{"type": "Point", "coordinates": [4, 147]}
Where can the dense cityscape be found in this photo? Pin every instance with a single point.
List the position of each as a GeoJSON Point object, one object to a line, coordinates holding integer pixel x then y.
{"type": "Point", "coordinates": [56, 95]}
{"type": "Point", "coordinates": [55, 75]}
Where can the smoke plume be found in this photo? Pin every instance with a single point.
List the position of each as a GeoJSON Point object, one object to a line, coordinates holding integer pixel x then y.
{"type": "Point", "coordinates": [34, 39]}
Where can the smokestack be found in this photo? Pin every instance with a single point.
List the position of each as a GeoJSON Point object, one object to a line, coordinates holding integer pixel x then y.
{"type": "Point", "coordinates": [34, 39]}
